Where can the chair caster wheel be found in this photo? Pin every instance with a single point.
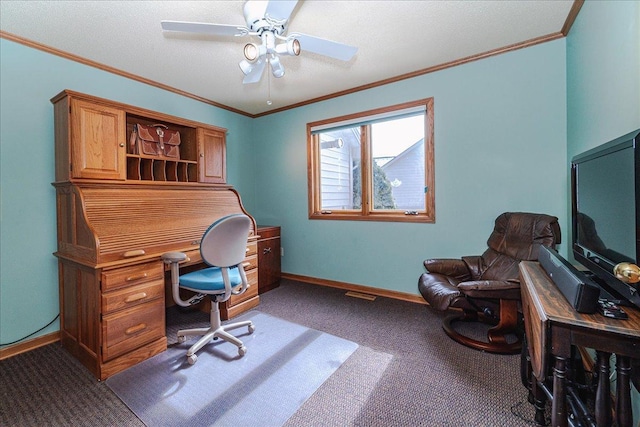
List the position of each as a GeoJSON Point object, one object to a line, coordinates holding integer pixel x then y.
{"type": "Point", "coordinates": [242, 351]}
{"type": "Point", "coordinates": [181, 338]}
{"type": "Point", "coordinates": [192, 359]}
{"type": "Point", "coordinates": [252, 329]}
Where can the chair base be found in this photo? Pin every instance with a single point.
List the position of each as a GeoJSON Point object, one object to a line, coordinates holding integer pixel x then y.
{"type": "Point", "coordinates": [497, 342]}
{"type": "Point", "coordinates": [215, 331]}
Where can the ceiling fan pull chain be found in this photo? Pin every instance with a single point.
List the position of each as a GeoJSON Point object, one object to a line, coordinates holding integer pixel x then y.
{"type": "Point", "coordinates": [269, 86]}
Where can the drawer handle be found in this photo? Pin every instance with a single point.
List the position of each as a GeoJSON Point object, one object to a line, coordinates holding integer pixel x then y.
{"type": "Point", "coordinates": [246, 264]}
{"type": "Point", "coordinates": [266, 251]}
{"type": "Point", "coordinates": [136, 297]}
{"type": "Point", "coordinates": [137, 252]}
{"type": "Point", "coordinates": [138, 277]}
{"type": "Point", "coordinates": [135, 329]}
{"type": "Point", "coordinates": [247, 251]}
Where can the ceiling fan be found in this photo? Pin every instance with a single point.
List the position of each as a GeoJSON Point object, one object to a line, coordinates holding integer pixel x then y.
{"type": "Point", "coordinates": [267, 20]}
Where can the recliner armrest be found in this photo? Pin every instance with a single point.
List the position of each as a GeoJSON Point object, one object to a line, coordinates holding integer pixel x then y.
{"type": "Point", "coordinates": [498, 289]}
{"type": "Point", "coordinates": [448, 267]}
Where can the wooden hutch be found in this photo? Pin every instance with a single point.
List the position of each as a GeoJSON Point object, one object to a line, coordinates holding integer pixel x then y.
{"type": "Point", "coordinates": [117, 213]}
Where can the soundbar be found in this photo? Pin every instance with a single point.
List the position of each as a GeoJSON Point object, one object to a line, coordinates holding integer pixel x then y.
{"type": "Point", "coordinates": [576, 287]}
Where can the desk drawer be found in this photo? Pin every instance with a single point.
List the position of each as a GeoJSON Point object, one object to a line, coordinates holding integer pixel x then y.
{"type": "Point", "coordinates": [132, 296]}
{"type": "Point", "coordinates": [133, 275]}
{"type": "Point", "coordinates": [250, 263]}
{"type": "Point", "coordinates": [131, 328]}
{"type": "Point", "coordinates": [252, 248]}
{"type": "Point", "coordinates": [268, 232]}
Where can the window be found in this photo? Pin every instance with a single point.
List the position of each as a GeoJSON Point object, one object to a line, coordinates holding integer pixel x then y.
{"type": "Point", "coordinates": [376, 165]}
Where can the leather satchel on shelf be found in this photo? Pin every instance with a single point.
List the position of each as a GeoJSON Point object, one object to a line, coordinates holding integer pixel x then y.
{"type": "Point", "coordinates": [155, 140]}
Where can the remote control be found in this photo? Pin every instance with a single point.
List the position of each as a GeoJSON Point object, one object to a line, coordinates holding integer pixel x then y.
{"type": "Point", "coordinates": [611, 310]}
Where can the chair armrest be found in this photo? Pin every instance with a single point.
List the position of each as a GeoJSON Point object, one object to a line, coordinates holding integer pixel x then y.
{"type": "Point", "coordinates": [171, 257]}
{"type": "Point", "coordinates": [497, 289]}
{"type": "Point", "coordinates": [448, 267]}
{"type": "Point", "coordinates": [240, 289]}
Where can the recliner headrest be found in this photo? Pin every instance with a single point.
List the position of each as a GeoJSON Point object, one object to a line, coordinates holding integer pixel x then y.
{"type": "Point", "coordinates": [520, 234]}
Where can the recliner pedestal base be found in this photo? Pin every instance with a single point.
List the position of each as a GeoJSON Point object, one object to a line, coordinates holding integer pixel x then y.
{"type": "Point", "coordinates": [497, 342]}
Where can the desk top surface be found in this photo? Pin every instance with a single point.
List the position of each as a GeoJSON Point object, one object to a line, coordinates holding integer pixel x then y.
{"type": "Point", "coordinates": [549, 300]}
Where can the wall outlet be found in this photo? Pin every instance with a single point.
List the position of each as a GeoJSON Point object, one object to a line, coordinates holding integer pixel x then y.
{"type": "Point", "coordinates": [281, 251]}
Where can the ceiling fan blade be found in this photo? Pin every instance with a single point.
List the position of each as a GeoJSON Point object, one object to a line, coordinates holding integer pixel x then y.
{"type": "Point", "coordinates": [204, 28]}
{"type": "Point", "coordinates": [325, 47]}
{"type": "Point", "coordinates": [255, 74]}
{"type": "Point", "coordinates": [280, 10]}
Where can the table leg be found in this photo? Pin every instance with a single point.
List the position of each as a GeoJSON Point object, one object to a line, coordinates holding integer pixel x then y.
{"type": "Point", "coordinates": [603, 393]}
{"type": "Point", "coordinates": [539, 400]}
{"type": "Point", "coordinates": [559, 404]}
{"type": "Point", "coordinates": [624, 415]}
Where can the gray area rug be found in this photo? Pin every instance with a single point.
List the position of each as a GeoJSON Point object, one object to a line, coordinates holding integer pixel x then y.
{"type": "Point", "coordinates": [284, 365]}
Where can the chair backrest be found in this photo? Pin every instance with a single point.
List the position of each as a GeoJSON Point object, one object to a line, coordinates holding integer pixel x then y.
{"type": "Point", "coordinates": [518, 236]}
{"type": "Point", "coordinates": [224, 244]}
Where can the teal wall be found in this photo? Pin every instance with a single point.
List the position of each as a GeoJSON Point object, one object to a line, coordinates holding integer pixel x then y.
{"type": "Point", "coordinates": [29, 78]}
{"type": "Point", "coordinates": [500, 145]}
{"type": "Point", "coordinates": [603, 82]}
{"type": "Point", "coordinates": [603, 74]}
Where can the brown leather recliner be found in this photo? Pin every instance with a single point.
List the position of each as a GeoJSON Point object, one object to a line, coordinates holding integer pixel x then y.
{"type": "Point", "coordinates": [487, 287]}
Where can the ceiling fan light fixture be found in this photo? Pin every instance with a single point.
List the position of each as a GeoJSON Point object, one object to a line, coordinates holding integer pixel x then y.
{"type": "Point", "coordinates": [290, 47]}
{"type": "Point", "coordinates": [245, 66]}
{"type": "Point", "coordinates": [276, 67]}
{"type": "Point", "coordinates": [251, 52]}
{"type": "Point", "coordinates": [295, 46]}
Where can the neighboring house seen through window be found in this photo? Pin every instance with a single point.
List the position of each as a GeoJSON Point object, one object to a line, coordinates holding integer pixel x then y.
{"type": "Point", "coordinates": [375, 165]}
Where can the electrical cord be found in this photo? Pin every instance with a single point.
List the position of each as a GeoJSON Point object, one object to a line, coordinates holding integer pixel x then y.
{"type": "Point", "coordinates": [33, 333]}
{"type": "Point", "coordinates": [516, 410]}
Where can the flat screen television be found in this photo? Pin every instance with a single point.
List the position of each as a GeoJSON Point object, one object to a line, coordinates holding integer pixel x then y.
{"type": "Point", "coordinates": [605, 190]}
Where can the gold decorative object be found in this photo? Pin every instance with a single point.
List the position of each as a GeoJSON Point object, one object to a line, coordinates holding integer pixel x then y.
{"type": "Point", "coordinates": [627, 272]}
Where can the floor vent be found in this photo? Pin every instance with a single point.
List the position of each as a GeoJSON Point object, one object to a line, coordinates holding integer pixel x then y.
{"type": "Point", "coordinates": [361, 295]}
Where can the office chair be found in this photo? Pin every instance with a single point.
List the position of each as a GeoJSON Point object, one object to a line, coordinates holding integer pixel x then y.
{"type": "Point", "coordinates": [487, 287]}
{"type": "Point", "coordinates": [223, 247]}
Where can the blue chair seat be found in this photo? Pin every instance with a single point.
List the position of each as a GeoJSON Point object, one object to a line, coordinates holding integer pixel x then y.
{"type": "Point", "coordinates": [209, 279]}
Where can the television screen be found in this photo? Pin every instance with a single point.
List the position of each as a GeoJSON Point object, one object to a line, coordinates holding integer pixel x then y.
{"type": "Point", "coordinates": [605, 214]}
{"type": "Point", "coordinates": [605, 198]}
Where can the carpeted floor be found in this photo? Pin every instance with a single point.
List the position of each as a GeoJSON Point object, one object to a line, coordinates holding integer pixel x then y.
{"type": "Point", "coordinates": [430, 380]}
{"type": "Point", "coordinates": [405, 372]}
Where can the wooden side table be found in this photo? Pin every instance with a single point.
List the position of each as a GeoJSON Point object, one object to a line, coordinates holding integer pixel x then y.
{"type": "Point", "coordinates": [269, 263]}
{"type": "Point", "coordinates": [552, 327]}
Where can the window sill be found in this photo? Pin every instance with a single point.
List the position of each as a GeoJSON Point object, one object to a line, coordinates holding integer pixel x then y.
{"type": "Point", "coordinates": [379, 217]}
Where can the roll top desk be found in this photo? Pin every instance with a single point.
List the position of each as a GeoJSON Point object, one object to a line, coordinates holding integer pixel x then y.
{"type": "Point", "coordinates": [117, 213]}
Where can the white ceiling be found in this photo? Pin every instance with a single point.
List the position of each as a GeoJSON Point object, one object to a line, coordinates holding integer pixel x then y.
{"type": "Point", "coordinates": [393, 38]}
